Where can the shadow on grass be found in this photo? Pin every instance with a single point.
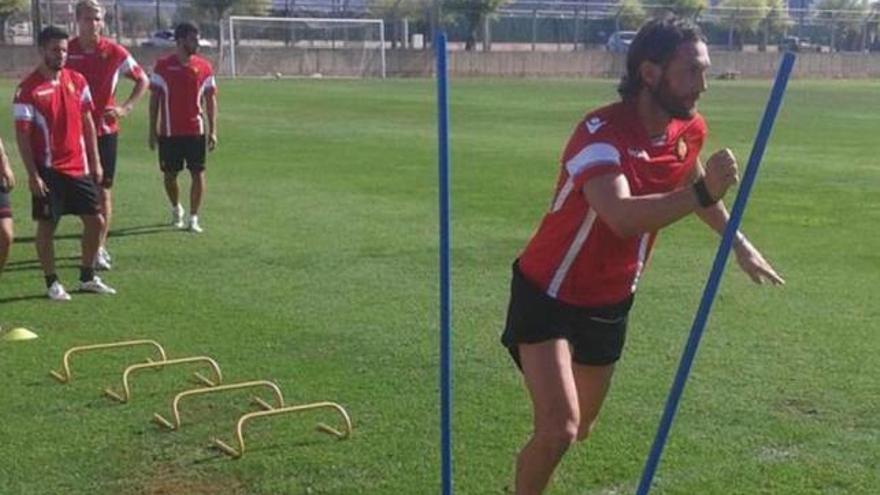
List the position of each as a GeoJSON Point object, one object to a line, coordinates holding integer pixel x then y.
{"type": "Point", "coordinates": [153, 228]}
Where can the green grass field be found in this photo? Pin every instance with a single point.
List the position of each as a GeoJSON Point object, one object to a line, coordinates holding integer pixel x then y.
{"type": "Point", "coordinates": [317, 269]}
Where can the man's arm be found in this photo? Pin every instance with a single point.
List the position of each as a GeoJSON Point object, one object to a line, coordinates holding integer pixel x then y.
{"type": "Point", "coordinates": [7, 178]}
{"type": "Point", "coordinates": [629, 215]}
{"type": "Point", "coordinates": [211, 109]}
{"type": "Point", "coordinates": [152, 135]}
{"type": "Point", "coordinates": [137, 92]}
{"type": "Point", "coordinates": [747, 256]}
{"type": "Point", "coordinates": [90, 136]}
{"type": "Point", "coordinates": [35, 182]}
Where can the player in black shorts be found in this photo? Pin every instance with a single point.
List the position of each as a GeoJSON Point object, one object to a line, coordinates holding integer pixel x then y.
{"type": "Point", "coordinates": [7, 182]}
{"type": "Point", "coordinates": [183, 120]}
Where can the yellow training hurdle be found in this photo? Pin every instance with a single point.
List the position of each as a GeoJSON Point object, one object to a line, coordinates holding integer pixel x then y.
{"type": "Point", "coordinates": [126, 395]}
{"type": "Point", "coordinates": [64, 376]}
{"type": "Point", "coordinates": [239, 428]}
{"type": "Point", "coordinates": [175, 404]}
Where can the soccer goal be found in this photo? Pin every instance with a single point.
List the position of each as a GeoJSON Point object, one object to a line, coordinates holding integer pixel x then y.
{"type": "Point", "coordinates": [303, 46]}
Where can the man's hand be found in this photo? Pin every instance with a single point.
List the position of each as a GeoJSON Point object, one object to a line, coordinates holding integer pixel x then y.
{"type": "Point", "coordinates": [117, 112]}
{"type": "Point", "coordinates": [37, 186]}
{"type": "Point", "coordinates": [212, 141]}
{"type": "Point", "coordinates": [152, 140]}
{"type": "Point", "coordinates": [755, 266]}
{"type": "Point", "coordinates": [721, 173]}
{"type": "Point", "coordinates": [7, 178]}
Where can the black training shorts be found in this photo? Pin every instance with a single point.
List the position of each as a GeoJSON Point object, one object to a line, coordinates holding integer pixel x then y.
{"type": "Point", "coordinates": [596, 335]}
{"type": "Point", "coordinates": [67, 196]}
{"type": "Point", "coordinates": [107, 152]}
{"type": "Point", "coordinates": [174, 151]}
{"type": "Point", "coordinates": [5, 205]}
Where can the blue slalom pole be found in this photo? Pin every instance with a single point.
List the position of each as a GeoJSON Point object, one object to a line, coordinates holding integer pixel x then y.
{"type": "Point", "coordinates": [711, 289]}
{"type": "Point", "coordinates": [445, 283]}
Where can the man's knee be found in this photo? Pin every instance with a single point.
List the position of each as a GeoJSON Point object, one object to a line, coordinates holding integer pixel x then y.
{"type": "Point", "coordinates": [559, 429]}
{"type": "Point", "coordinates": [6, 236]}
{"type": "Point", "coordinates": [93, 221]}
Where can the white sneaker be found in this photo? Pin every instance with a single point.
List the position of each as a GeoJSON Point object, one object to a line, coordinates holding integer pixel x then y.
{"type": "Point", "coordinates": [102, 251]}
{"type": "Point", "coordinates": [56, 292]}
{"type": "Point", "coordinates": [102, 260]}
{"type": "Point", "coordinates": [194, 224]}
{"type": "Point", "coordinates": [177, 216]}
{"type": "Point", "coordinates": [96, 286]}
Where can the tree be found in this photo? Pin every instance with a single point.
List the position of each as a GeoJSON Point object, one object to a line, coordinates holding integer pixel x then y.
{"type": "Point", "coordinates": [682, 8]}
{"type": "Point", "coordinates": [847, 19]}
{"type": "Point", "coordinates": [631, 15]}
{"type": "Point", "coordinates": [741, 17]}
{"type": "Point", "coordinates": [775, 22]}
{"type": "Point", "coordinates": [7, 9]}
{"type": "Point", "coordinates": [394, 11]}
{"type": "Point", "coordinates": [216, 10]}
{"type": "Point", "coordinates": [473, 13]}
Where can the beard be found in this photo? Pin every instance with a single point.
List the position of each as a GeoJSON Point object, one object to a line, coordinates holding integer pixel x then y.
{"type": "Point", "coordinates": [675, 106]}
{"type": "Point", "coordinates": [54, 63]}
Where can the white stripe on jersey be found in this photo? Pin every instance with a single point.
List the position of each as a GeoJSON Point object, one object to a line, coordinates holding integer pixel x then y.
{"type": "Point", "coordinates": [157, 80]}
{"type": "Point", "coordinates": [563, 195]}
{"type": "Point", "coordinates": [592, 155]}
{"type": "Point", "coordinates": [573, 250]}
{"type": "Point", "coordinates": [23, 111]}
{"type": "Point", "coordinates": [86, 95]}
{"type": "Point", "coordinates": [643, 251]}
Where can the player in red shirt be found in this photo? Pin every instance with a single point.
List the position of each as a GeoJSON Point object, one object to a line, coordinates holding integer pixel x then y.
{"type": "Point", "coordinates": [56, 139]}
{"type": "Point", "coordinates": [7, 182]}
{"type": "Point", "coordinates": [181, 82]}
{"type": "Point", "coordinates": [104, 62]}
{"type": "Point", "coordinates": [629, 169]}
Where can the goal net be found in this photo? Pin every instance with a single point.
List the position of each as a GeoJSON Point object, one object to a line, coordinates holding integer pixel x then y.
{"type": "Point", "coordinates": [293, 46]}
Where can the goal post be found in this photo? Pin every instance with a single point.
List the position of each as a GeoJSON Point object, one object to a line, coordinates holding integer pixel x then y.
{"type": "Point", "coordinates": [306, 46]}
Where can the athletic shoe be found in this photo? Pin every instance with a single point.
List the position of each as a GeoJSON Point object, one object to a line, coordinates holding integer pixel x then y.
{"type": "Point", "coordinates": [56, 292]}
{"type": "Point", "coordinates": [102, 260]}
{"type": "Point", "coordinates": [96, 286]}
{"type": "Point", "coordinates": [177, 216]}
{"type": "Point", "coordinates": [194, 225]}
{"type": "Point", "coordinates": [102, 251]}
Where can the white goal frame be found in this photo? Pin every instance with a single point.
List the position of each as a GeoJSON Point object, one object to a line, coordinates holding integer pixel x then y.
{"type": "Point", "coordinates": [379, 22]}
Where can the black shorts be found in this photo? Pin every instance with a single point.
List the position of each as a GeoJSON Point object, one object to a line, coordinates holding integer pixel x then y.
{"type": "Point", "coordinates": [175, 150]}
{"type": "Point", "coordinates": [596, 335]}
{"type": "Point", "coordinates": [5, 205]}
{"type": "Point", "coordinates": [67, 196]}
{"type": "Point", "coordinates": [107, 152]}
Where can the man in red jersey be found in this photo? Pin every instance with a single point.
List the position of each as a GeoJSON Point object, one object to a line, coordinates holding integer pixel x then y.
{"type": "Point", "coordinates": [180, 83]}
{"type": "Point", "coordinates": [56, 139]}
{"type": "Point", "coordinates": [103, 63]}
{"type": "Point", "coordinates": [628, 170]}
{"type": "Point", "coordinates": [7, 182]}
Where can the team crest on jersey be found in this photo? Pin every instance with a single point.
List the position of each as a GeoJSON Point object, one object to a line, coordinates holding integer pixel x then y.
{"type": "Point", "coordinates": [71, 87]}
{"type": "Point", "coordinates": [104, 55]}
{"type": "Point", "coordinates": [681, 149]}
{"type": "Point", "coordinates": [195, 70]}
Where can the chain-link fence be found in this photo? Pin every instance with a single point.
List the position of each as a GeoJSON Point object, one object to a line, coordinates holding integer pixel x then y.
{"type": "Point", "coordinates": [517, 25]}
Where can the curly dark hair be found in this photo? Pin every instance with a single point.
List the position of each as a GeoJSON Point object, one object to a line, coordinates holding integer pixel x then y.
{"type": "Point", "coordinates": [656, 41]}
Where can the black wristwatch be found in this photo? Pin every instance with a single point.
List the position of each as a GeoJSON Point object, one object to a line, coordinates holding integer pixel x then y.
{"type": "Point", "coordinates": [703, 196]}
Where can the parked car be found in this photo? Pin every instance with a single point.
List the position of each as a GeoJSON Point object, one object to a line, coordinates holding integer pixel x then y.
{"type": "Point", "coordinates": [796, 44]}
{"type": "Point", "coordinates": [619, 41]}
{"type": "Point", "coordinates": [165, 39]}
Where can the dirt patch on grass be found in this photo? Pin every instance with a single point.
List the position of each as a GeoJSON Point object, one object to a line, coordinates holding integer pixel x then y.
{"type": "Point", "coordinates": [174, 480]}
